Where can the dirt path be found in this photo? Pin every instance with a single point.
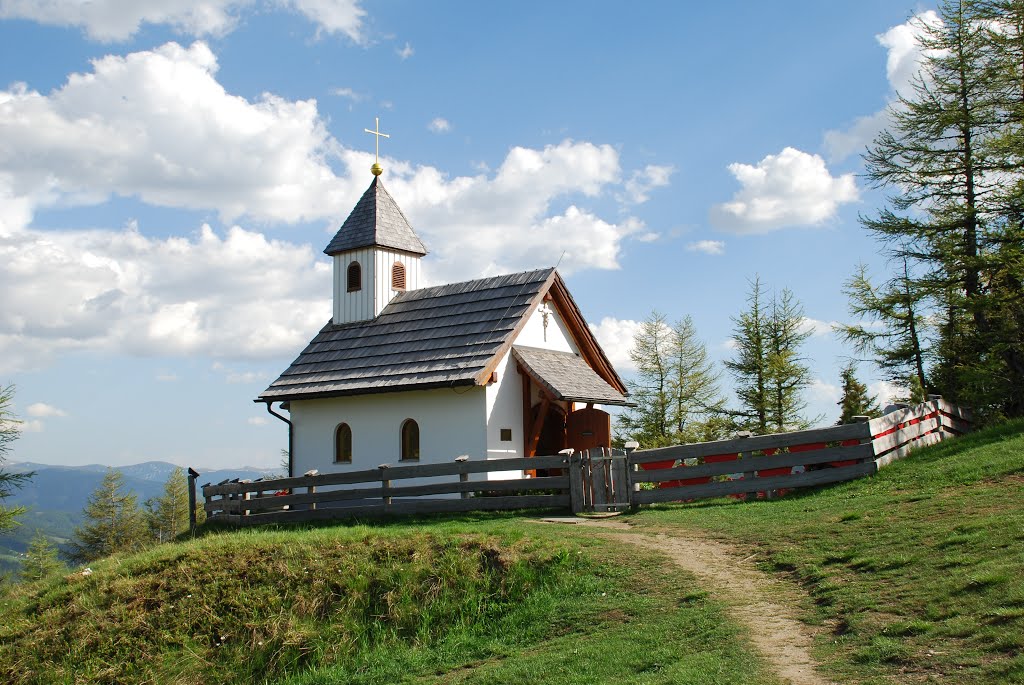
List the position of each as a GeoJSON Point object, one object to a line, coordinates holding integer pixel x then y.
{"type": "Point", "coordinates": [764, 605]}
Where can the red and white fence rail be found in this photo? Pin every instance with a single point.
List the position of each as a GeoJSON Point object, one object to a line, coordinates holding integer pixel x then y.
{"type": "Point", "coordinates": [765, 465]}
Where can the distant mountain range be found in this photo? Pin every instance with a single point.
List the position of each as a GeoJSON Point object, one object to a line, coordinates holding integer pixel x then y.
{"type": "Point", "coordinates": [56, 495]}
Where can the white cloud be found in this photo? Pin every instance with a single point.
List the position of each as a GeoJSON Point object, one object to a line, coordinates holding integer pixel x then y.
{"type": "Point", "coordinates": [903, 64]}
{"type": "Point", "coordinates": [167, 378]}
{"type": "Point", "coordinates": [33, 426]}
{"type": "Point", "coordinates": [332, 16]}
{"type": "Point", "coordinates": [233, 296]}
{"type": "Point", "coordinates": [257, 421]}
{"type": "Point", "coordinates": [439, 125]}
{"type": "Point", "coordinates": [42, 410]}
{"type": "Point", "coordinates": [616, 339]}
{"type": "Point", "coordinates": [405, 52]}
{"type": "Point", "coordinates": [711, 247]}
{"type": "Point", "coordinates": [117, 20]}
{"type": "Point", "coordinates": [840, 144]}
{"type": "Point", "coordinates": [158, 125]}
{"type": "Point", "coordinates": [501, 222]}
{"type": "Point", "coordinates": [236, 377]}
{"type": "Point", "coordinates": [348, 93]}
{"type": "Point", "coordinates": [886, 392]}
{"type": "Point", "coordinates": [643, 181]}
{"type": "Point", "coordinates": [792, 188]}
{"type": "Point", "coordinates": [817, 328]}
{"type": "Point", "coordinates": [821, 392]}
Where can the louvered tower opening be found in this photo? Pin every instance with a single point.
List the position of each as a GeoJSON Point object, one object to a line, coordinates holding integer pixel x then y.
{"type": "Point", "coordinates": [398, 276]}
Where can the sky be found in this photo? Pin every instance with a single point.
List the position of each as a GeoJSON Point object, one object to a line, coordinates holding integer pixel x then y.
{"type": "Point", "coordinates": [170, 172]}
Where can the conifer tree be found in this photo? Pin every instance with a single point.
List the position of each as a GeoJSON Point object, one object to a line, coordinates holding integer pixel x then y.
{"type": "Point", "coordinates": [40, 559]}
{"type": "Point", "coordinates": [953, 160]}
{"type": "Point", "coordinates": [113, 522]}
{"type": "Point", "coordinates": [167, 515]}
{"type": "Point", "coordinates": [749, 367]}
{"type": "Point", "coordinates": [893, 333]}
{"type": "Point", "coordinates": [915, 393]}
{"type": "Point", "coordinates": [788, 375]}
{"type": "Point", "coordinates": [855, 400]}
{"type": "Point", "coordinates": [769, 372]}
{"type": "Point", "coordinates": [676, 390]}
{"type": "Point", "coordinates": [10, 429]}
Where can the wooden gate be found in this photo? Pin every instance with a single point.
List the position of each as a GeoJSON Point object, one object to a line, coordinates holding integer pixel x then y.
{"type": "Point", "coordinates": [599, 481]}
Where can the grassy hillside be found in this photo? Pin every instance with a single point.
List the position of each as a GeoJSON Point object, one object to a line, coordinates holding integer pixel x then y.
{"type": "Point", "coordinates": [472, 600]}
{"type": "Point", "coordinates": [919, 571]}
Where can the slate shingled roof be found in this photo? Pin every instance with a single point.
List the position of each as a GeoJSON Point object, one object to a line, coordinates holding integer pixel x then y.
{"type": "Point", "coordinates": [376, 220]}
{"type": "Point", "coordinates": [432, 337]}
{"type": "Point", "coordinates": [567, 376]}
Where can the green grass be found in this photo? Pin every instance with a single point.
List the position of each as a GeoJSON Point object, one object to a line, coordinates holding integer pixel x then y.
{"type": "Point", "coordinates": [476, 599]}
{"type": "Point", "coordinates": [917, 573]}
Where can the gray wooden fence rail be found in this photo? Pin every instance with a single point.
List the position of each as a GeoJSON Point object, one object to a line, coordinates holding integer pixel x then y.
{"type": "Point", "coordinates": [380, 491]}
{"type": "Point", "coordinates": [598, 480]}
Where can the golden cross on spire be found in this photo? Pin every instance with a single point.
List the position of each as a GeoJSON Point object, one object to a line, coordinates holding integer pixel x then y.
{"type": "Point", "coordinates": [377, 169]}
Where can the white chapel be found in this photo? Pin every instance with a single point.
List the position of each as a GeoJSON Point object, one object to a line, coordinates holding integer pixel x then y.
{"type": "Point", "coordinates": [492, 368]}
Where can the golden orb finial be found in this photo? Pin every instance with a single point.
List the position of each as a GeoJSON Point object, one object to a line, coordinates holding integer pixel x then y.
{"type": "Point", "coordinates": [377, 169]}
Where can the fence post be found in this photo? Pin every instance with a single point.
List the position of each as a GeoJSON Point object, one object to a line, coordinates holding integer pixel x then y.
{"type": "Point", "coordinates": [245, 496]}
{"type": "Point", "coordinates": [463, 477]}
{"type": "Point", "coordinates": [576, 490]}
{"type": "Point", "coordinates": [631, 468]}
{"type": "Point", "coordinates": [749, 475]}
{"type": "Point", "coordinates": [311, 489]}
{"type": "Point", "coordinates": [192, 475]}
{"type": "Point", "coordinates": [385, 483]}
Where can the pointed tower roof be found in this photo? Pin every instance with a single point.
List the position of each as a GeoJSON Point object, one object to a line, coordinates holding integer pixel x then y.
{"type": "Point", "coordinates": [376, 220]}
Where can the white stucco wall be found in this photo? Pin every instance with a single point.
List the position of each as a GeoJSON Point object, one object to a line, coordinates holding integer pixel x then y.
{"type": "Point", "coordinates": [505, 397]}
{"type": "Point", "coordinates": [451, 422]}
{"type": "Point", "coordinates": [557, 336]}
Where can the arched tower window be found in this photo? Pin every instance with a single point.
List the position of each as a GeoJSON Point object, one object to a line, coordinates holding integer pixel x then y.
{"type": "Point", "coordinates": [343, 444]}
{"type": "Point", "coordinates": [410, 441]}
{"type": "Point", "coordinates": [398, 276]}
{"type": "Point", "coordinates": [355, 277]}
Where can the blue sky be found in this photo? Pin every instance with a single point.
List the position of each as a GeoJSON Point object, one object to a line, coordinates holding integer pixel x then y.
{"type": "Point", "coordinates": [170, 172]}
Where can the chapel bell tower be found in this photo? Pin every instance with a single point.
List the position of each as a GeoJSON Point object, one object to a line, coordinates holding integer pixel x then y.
{"type": "Point", "coordinates": [376, 253]}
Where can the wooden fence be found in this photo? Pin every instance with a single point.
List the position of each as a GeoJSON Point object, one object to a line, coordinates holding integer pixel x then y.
{"type": "Point", "coordinates": [765, 465]}
{"type": "Point", "coordinates": [376, 492]}
{"type": "Point", "coordinates": [598, 480]}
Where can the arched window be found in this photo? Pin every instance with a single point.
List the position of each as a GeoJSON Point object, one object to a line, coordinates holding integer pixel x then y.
{"type": "Point", "coordinates": [398, 276]}
{"type": "Point", "coordinates": [343, 444]}
{"type": "Point", "coordinates": [355, 277]}
{"type": "Point", "coordinates": [410, 441]}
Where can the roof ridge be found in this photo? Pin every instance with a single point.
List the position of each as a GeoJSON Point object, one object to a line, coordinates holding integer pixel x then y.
{"type": "Point", "coordinates": [427, 292]}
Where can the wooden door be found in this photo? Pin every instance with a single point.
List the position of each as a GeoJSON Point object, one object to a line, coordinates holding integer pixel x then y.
{"type": "Point", "coordinates": [587, 429]}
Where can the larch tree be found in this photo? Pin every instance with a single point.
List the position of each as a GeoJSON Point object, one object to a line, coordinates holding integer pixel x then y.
{"type": "Point", "coordinates": [893, 324]}
{"type": "Point", "coordinates": [769, 372]}
{"type": "Point", "coordinates": [113, 522]}
{"type": "Point", "coordinates": [676, 388]}
{"type": "Point", "coordinates": [788, 374]}
{"type": "Point", "coordinates": [951, 159]}
{"type": "Point", "coordinates": [749, 366]}
{"type": "Point", "coordinates": [10, 429]}
{"type": "Point", "coordinates": [855, 400]}
{"type": "Point", "coordinates": [167, 515]}
{"type": "Point", "coordinates": [40, 559]}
